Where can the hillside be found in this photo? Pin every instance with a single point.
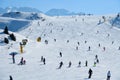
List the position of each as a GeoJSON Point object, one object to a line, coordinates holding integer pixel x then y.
{"type": "Point", "coordinates": [71, 35]}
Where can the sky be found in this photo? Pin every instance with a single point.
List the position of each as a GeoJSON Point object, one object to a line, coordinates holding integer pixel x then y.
{"type": "Point", "coordinates": [87, 6]}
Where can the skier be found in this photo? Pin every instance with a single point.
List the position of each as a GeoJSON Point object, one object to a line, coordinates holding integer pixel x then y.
{"type": "Point", "coordinates": [46, 41]}
{"type": "Point", "coordinates": [41, 58]}
{"type": "Point", "coordinates": [13, 58]}
{"type": "Point", "coordinates": [21, 61]}
{"type": "Point", "coordinates": [78, 43]}
{"type": "Point", "coordinates": [99, 44]}
{"type": "Point", "coordinates": [112, 42]}
{"type": "Point", "coordinates": [96, 57]}
{"type": "Point", "coordinates": [89, 48]}
{"type": "Point", "coordinates": [61, 63]}
{"type": "Point", "coordinates": [54, 40]}
{"type": "Point", "coordinates": [108, 75]}
{"type": "Point", "coordinates": [94, 64]}
{"type": "Point", "coordinates": [86, 63]}
{"type": "Point", "coordinates": [90, 72]}
{"type": "Point", "coordinates": [98, 31]}
{"type": "Point", "coordinates": [79, 64]}
{"type": "Point", "coordinates": [11, 77]}
{"type": "Point", "coordinates": [97, 61]}
{"type": "Point", "coordinates": [69, 64]}
{"type": "Point", "coordinates": [85, 42]}
{"type": "Point", "coordinates": [67, 41]}
{"type": "Point", "coordinates": [24, 62]}
{"type": "Point", "coordinates": [77, 48]}
{"type": "Point", "coordinates": [44, 61]}
{"type": "Point", "coordinates": [108, 35]}
{"type": "Point", "coordinates": [119, 48]}
{"type": "Point", "coordinates": [103, 48]}
{"type": "Point", "coordinates": [60, 54]}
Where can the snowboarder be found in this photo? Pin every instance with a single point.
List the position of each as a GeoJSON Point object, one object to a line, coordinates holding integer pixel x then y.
{"type": "Point", "coordinates": [79, 64]}
{"type": "Point", "coordinates": [86, 63]}
{"type": "Point", "coordinates": [11, 77]}
{"type": "Point", "coordinates": [108, 75]}
{"type": "Point", "coordinates": [61, 63]}
{"type": "Point", "coordinates": [44, 61]}
{"type": "Point", "coordinates": [60, 54]}
{"type": "Point", "coordinates": [90, 72]}
{"type": "Point", "coordinates": [70, 63]}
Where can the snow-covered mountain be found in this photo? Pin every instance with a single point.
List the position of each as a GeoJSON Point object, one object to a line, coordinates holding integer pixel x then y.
{"type": "Point", "coordinates": [51, 12]}
{"type": "Point", "coordinates": [19, 19]}
{"type": "Point", "coordinates": [59, 12]}
{"type": "Point", "coordinates": [22, 15]}
{"type": "Point", "coordinates": [20, 9]}
{"type": "Point", "coordinates": [70, 35]}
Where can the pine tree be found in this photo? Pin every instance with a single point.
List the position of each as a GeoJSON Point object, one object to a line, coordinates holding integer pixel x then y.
{"type": "Point", "coordinates": [6, 30]}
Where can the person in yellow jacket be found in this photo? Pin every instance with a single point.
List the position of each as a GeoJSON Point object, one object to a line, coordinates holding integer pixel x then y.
{"type": "Point", "coordinates": [39, 39]}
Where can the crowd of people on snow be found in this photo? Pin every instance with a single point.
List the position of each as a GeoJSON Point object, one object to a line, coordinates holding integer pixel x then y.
{"type": "Point", "coordinates": [90, 72]}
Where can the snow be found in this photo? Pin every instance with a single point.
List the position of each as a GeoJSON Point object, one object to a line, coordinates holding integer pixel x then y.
{"type": "Point", "coordinates": [62, 28]}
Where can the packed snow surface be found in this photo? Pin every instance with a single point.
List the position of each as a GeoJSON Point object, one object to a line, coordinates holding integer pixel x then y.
{"type": "Point", "coordinates": [70, 35]}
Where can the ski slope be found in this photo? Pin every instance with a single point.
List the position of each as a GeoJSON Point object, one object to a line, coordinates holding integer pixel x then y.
{"type": "Point", "coordinates": [62, 28]}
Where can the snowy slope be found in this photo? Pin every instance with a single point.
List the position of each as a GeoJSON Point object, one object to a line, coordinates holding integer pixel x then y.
{"type": "Point", "coordinates": [22, 15]}
{"type": "Point", "coordinates": [16, 21]}
{"type": "Point", "coordinates": [72, 28]}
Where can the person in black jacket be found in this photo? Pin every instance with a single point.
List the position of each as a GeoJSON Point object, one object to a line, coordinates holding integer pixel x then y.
{"type": "Point", "coordinates": [60, 54]}
{"type": "Point", "coordinates": [13, 58]}
{"type": "Point", "coordinates": [70, 63]}
{"type": "Point", "coordinates": [44, 61]}
{"type": "Point", "coordinates": [86, 63]}
{"type": "Point", "coordinates": [108, 75]}
{"type": "Point", "coordinates": [61, 63]}
{"type": "Point", "coordinates": [90, 72]}
{"type": "Point", "coordinates": [11, 77]}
